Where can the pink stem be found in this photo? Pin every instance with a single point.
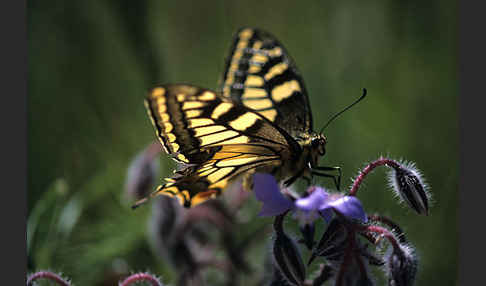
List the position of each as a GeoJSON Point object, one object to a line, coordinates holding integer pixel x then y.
{"type": "Point", "coordinates": [141, 277]}
{"type": "Point", "coordinates": [385, 232]}
{"type": "Point", "coordinates": [379, 162]}
{"type": "Point", "coordinates": [394, 227]}
{"type": "Point", "coordinates": [47, 275]}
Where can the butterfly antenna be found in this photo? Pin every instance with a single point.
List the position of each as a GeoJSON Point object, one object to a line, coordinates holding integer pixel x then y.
{"type": "Point", "coordinates": [348, 107]}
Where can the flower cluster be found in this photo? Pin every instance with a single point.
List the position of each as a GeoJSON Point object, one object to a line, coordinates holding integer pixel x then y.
{"type": "Point", "coordinates": [198, 239]}
{"type": "Point", "coordinates": [350, 245]}
{"type": "Point", "coordinates": [352, 241]}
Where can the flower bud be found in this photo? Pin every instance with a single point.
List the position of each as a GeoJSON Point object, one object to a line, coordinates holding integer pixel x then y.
{"type": "Point", "coordinates": [172, 236]}
{"type": "Point", "coordinates": [166, 216]}
{"type": "Point", "coordinates": [354, 271]}
{"type": "Point", "coordinates": [332, 242]}
{"type": "Point", "coordinates": [277, 279]}
{"type": "Point", "coordinates": [326, 272]}
{"type": "Point", "coordinates": [401, 265]}
{"type": "Point", "coordinates": [406, 180]}
{"type": "Point", "coordinates": [142, 171]}
{"type": "Point", "coordinates": [287, 256]}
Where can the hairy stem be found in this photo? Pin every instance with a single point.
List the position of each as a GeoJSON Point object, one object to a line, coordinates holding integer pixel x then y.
{"type": "Point", "coordinates": [137, 277]}
{"type": "Point", "coordinates": [379, 162]}
{"type": "Point", "coordinates": [47, 275]}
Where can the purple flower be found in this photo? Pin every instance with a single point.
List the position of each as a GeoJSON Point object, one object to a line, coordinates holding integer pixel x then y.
{"type": "Point", "coordinates": [307, 209]}
{"type": "Point", "coordinates": [266, 190]}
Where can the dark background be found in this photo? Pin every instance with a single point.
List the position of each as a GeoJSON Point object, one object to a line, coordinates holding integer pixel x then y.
{"type": "Point", "coordinates": [90, 64]}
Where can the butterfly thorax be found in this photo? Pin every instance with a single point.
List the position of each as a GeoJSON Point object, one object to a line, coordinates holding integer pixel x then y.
{"type": "Point", "coordinates": [312, 148]}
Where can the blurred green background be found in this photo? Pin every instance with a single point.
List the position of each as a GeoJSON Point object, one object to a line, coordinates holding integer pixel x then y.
{"type": "Point", "coordinates": [91, 63]}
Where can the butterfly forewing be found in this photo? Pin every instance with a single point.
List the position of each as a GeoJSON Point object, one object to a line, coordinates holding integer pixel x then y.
{"type": "Point", "coordinates": [261, 75]}
{"type": "Point", "coordinates": [215, 137]}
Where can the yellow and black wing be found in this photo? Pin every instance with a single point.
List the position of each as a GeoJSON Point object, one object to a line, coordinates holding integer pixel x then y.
{"type": "Point", "coordinates": [215, 138]}
{"type": "Point", "coordinates": [260, 74]}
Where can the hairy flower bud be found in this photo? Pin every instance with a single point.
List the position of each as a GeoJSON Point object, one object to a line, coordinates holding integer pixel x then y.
{"type": "Point", "coordinates": [332, 242]}
{"type": "Point", "coordinates": [401, 265]}
{"type": "Point", "coordinates": [406, 180]}
{"type": "Point", "coordinates": [170, 241]}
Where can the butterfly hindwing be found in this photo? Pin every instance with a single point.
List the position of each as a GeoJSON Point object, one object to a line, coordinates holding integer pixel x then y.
{"type": "Point", "coordinates": [214, 137]}
{"type": "Point", "coordinates": [261, 75]}
{"type": "Point", "coordinates": [194, 185]}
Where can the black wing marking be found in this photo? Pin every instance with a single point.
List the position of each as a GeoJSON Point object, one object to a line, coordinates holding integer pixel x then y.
{"type": "Point", "coordinates": [261, 75]}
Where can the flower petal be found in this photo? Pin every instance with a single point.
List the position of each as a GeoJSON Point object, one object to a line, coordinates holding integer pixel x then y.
{"type": "Point", "coordinates": [349, 206]}
{"type": "Point", "coordinates": [267, 191]}
{"type": "Point", "coordinates": [313, 201]}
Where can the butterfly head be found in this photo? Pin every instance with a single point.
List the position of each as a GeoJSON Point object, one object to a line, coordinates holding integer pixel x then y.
{"type": "Point", "coordinates": [315, 147]}
{"type": "Point", "coordinates": [318, 144]}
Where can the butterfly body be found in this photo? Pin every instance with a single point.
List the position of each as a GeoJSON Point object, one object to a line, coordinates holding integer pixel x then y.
{"type": "Point", "coordinates": [259, 122]}
{"type": "Point", "coordinates": [301, 162]}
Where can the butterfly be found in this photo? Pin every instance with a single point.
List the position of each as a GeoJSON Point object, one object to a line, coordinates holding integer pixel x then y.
{"type": "Point", "coordinates": [260, 121]}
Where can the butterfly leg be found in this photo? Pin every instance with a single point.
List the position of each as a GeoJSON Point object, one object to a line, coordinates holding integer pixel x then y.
{"type": "Point", "coordinates": [308, 180]}
{"type": "Point", "coordinates": [324, 168]}
{"type": "Point", "coordinates": [337, 179]}
{"type": "Point", "coordinates": [293, 178]}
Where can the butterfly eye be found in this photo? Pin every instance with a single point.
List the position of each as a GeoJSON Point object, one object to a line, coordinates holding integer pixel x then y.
{"type": "Point", "coordinates": [319, 144]}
